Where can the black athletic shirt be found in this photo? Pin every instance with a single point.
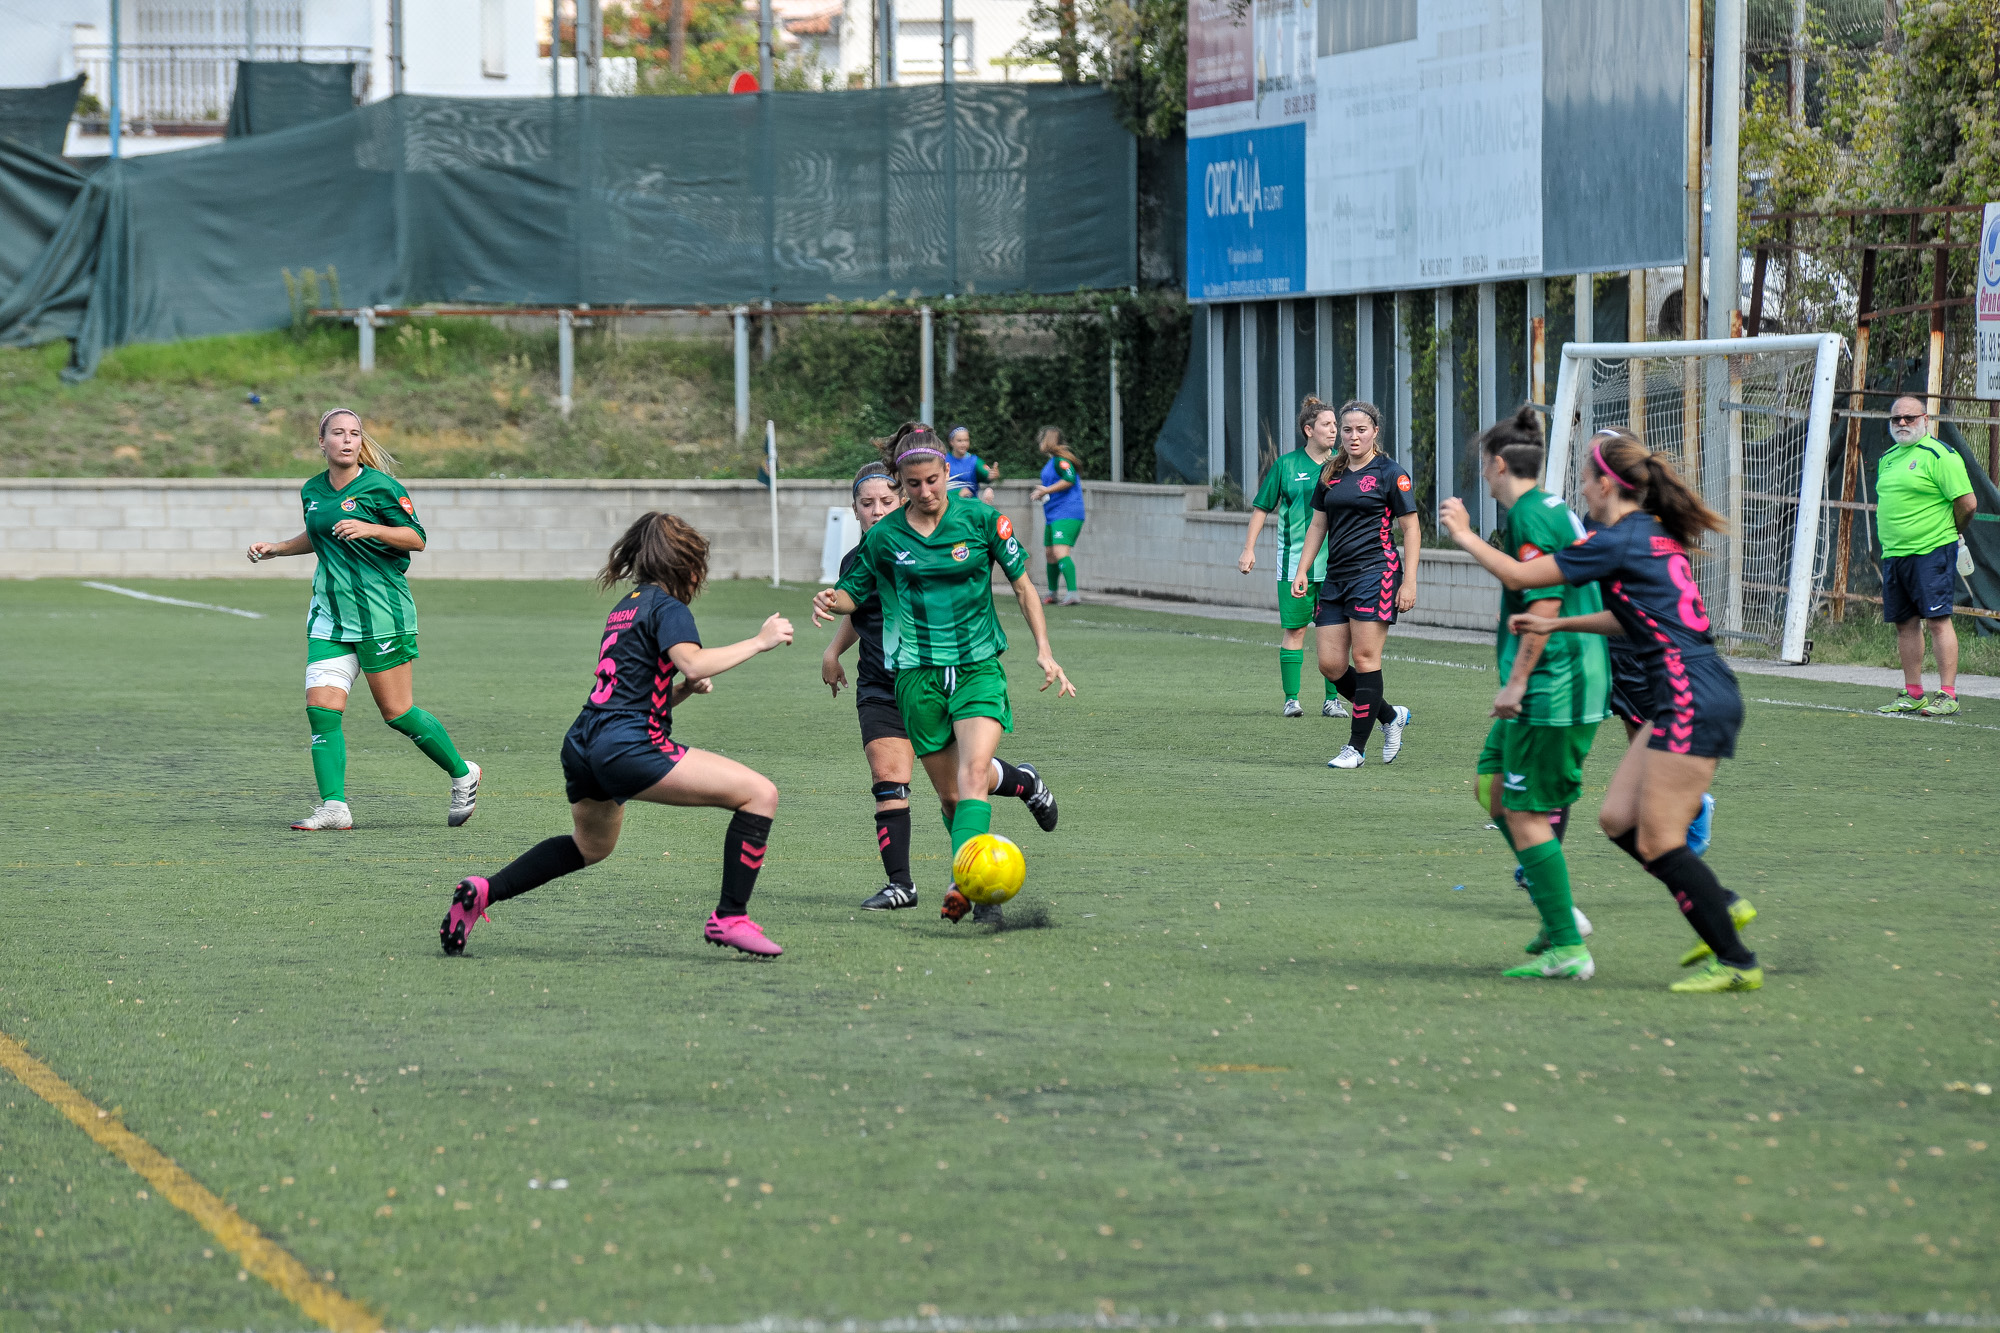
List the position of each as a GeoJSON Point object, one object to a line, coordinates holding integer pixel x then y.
{"type": "Point", "coordinates": [1359, 507]}
{"type": "Point", "coordinates": [634, 674]}
{"type": "Point", "coordinates": [1647, 583]}
{"type": "Point", "coordinates": [1624, 648]}
{"type": "Point", "coordinates": [874, 680]}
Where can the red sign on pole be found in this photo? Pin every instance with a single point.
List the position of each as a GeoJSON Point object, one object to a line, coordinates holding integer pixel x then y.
{"type": "Point", "coordinates": [743, 81]}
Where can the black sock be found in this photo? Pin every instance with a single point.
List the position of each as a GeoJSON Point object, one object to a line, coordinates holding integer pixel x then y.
{"type": "Point", "coordinates": [1559, 821]}
{"type": "Point", "coordinates": [1628, 843]}
{"type": "Point", "coordinates": [742, 858]}
{"type": "Point", "coordinates": [1345, 683]}
{"type": "Point", "coordinates": [1702, 902]}
{"type": "Point", "coordinates": [892, 831]}
{"type": "Point", "coordinates": [1367, 707]}
{"type": "Point", "coordinates": [551, 858]}
{"type": "Point", "coordinates": [1013, 782]}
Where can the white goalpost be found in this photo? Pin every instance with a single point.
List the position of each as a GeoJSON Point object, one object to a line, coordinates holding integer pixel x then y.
{"type": "Point", "coordinates": [1747, 420]}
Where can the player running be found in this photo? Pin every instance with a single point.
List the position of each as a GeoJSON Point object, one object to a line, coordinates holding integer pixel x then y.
{"type": "Point", "coordinates": [362, 620]}
{"type": "Point", "coordinates": [1287, 494]}
{"type": "Point", "coordinates": [883, 738]}
{"type": "Point", "coordinates": [968, 470]}
{"type": "Point", "coordinates": [1555, 691]}
{"type": "Point", "coordinates": [1061, 494]}
{"type": "Point", "coordinates": [1648, 517]}
{"type": "Point", "coordinates": [1361, 492]}
{"type": "Point", "coordinates": [620, 749]}
{"type": "Point", "coordinates": [934, 556]}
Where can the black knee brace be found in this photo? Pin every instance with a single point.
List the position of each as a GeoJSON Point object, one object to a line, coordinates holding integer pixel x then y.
{"type": "Point", "coordinates": [891, 791]}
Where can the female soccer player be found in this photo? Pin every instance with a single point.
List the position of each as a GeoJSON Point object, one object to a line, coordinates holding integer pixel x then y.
{"type": "Point", "coordinates": [935, 556]}
{"type": "Point", "coordinates": [1360, 493]}
{"type": "Point", "coordinates": [1648, 518]}
{"type": "Point", "coordinates": [362, 619]}
{"type": "Point", "coordinates": [620, 749]}
{"type": "Point", "coordinates": [1287, 493]}
{"type": "Point", "coordinates": [968, 470]}
{"type": "Point", "coordinates": [883, 738]}
{"type": "Point", "coordinates": [1061, 494]}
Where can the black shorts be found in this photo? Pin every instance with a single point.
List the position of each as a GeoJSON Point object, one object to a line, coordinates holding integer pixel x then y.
{"type": "Point", "coordinates": [1631, 689]}
{"type": "Point", "coordinates": [881, 720]}
{"type": "Point", "coordinates": [615, 756]}
{"type": "Point", "coordinates": [1366, 594]}
{"type": "Point", "coordinates": [1920, 585]}
{"type": "Point", "coordinates": [1701, 710]}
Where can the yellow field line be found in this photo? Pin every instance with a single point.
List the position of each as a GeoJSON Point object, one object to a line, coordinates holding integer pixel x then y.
{"type": "Point", "coordinates": [253, 1249]}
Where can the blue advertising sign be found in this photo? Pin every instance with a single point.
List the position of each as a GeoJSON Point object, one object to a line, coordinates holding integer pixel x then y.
{"type": "Point", "coordinates": [1247, 213]}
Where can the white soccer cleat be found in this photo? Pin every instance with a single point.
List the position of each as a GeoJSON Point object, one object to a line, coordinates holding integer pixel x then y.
{"type": "Point", "coordinates": [1333, 708]}
{"type": "Point", "coordinates": [1392, 734]}
{"type": "Point", "coordinates": [1292, 708]}
{"type": "Point", "coordinates": [327, 815]}
{"type": "Point", "coordinates": [1582, 921]}
{"type": "Point", "coordinates": [1349, 757]}
{"type": "Point", "coordinates": [464, 796]}
{"type": "Point", "coordinates": [1071, 599]}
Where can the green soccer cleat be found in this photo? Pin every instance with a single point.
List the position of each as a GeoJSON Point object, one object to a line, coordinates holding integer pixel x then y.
{"type": "Point", "coordinates": [1718, 977]}
{"type": "Point", "coordinates": [1741, 912]}
{"type": "Point", "coordinates": [1938, 704]}
{"type": "Point", "coordinates": [1902, 703]}
{"type": "Point", "coordinates": [1567, 961]}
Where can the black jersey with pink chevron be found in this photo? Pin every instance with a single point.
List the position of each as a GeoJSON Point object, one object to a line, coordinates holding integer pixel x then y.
{"type": "Point", "coordinates": [1359, 504]}
{"type": "Point", "coordinates": [634, 673]}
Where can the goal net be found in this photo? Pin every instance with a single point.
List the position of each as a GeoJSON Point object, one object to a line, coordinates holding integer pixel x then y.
{"type": "Point", "coordinates": [1747, 422]}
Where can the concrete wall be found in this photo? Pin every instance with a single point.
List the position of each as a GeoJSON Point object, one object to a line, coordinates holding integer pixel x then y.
{"type": "Point", "coordinates": [1155, 541]}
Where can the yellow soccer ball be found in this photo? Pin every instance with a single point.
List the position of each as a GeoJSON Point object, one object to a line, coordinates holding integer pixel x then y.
{"type": "Point", "coordinates": [989, 869]}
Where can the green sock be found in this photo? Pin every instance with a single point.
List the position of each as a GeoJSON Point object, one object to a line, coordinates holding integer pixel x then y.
{"type": "Point", "coordinates": [432, 739]}
{"type": "Point", "coordinates": [1291, 662]}
{"type": "Point", "coordinates": [973, 819]}
{"type": "Point", "coordinates": [1332, 690]}
{"type": "Point", "coordinates": [329, 752]}
{"type": "Point", "coordinates": [1055, 578]}
{"type": "Point", "coordinates": [1068, 566]}
{"type": "Point", "coordinates": [1548, 885]}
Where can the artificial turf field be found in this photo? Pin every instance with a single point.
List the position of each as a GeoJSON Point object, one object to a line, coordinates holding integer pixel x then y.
{"type": "Point", "coordinates": [1259, 1061]}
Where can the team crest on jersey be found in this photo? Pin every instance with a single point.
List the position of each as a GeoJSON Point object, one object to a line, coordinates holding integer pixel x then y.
{"type": "Point", "coordinates": [408, 508]}
{"type": "Point", "coordinates": [1403, 482]}
{"type": "Point", "coordinates": [347, 506]}
{"type": "Point", "coordinates": [1367, 483]}
{"type": "Point", "coordinates": [1005, 527]}
{"type": "Point", "coordinates": [961, 552]}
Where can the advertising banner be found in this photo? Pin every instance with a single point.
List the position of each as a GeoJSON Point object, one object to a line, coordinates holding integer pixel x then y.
{"type": "Point", "coordinates": [1247, 188]}
{"type": "Point", "coordinates": [1988, 335]}
{"type": "Point", "coordinates": [1219, 55]}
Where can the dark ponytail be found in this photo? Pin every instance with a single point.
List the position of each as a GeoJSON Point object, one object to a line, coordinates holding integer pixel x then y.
{"type": "Point", "coordinates": [662, 549]}
{"type": "Point", "coordinates": [1517, 442]}
{"type": "Point", "coordinates": [1650, 479]}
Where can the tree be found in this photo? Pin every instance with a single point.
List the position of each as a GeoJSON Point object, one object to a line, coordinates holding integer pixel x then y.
{"type": "Point", "coordinates": [1135, 48]}
{"type": "Point", "coordinates": [696, 46]}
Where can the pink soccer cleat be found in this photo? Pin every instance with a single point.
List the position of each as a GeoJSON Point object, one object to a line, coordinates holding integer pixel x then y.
{"type": "Point", "coordinates": [741, 933]}
{"type": "Point", "coordinates": [468, 907]}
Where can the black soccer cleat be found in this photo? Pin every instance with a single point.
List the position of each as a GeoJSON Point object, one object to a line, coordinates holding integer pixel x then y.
{"type": "Point", "coordinates": [1041, 802]}
{"type": "Point", "coordinates": [891, 898]}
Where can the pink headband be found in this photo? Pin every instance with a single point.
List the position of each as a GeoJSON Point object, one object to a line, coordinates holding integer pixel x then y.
{"type": "Point", "coordinates": [919, 449]}
{"type": "Point", "coordinates": [1597, 453]}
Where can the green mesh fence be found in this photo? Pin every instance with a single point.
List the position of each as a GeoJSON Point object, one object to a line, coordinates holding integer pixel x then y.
{"type": "Point", "coordinates": [653, 200]}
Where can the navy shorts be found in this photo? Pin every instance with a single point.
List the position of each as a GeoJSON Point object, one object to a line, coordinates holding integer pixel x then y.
{"type": "Point", "coordinates": [1920, 585]}
{"type": "Point", "coordinates": [615, 756]}
{"type": "Point", "coordinates": [880, 720]}
{"type": "Point", "coordinates": [1631, 689]}
{"type": "Point", "coordinates": [1701, 710]}
{"type": "Point", "coordinates": [1368, 594]}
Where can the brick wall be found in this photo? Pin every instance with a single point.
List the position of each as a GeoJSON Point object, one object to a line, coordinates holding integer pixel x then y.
{"type": "Point", "coordinates": [1157, 541]}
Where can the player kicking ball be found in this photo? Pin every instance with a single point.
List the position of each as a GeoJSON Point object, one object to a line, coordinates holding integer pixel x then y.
{"type": "Point", "coordinates": [1547, 711]}
{"type": "Point", "coordinates": [620, 749]}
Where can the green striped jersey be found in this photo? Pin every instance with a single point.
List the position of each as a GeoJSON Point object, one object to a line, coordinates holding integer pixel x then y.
{"type": "Point", "coordinates": [1287, 496]}
{"type": "Point", "coordinates": [1571, 685]}
{"type": "Point", "coordinates": [939, 607]}
{"type": "Point", "coordinates": [359, 591]}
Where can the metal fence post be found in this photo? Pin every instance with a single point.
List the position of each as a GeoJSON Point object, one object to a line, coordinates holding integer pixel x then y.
{"type": "Point", "coordinates": [925, 369]}
{"type": "Point", "coordinates": [1447, 375]}
{"type": "Point", "coordinates": [1405, 408]}
{"type": "Point", "coordinates": [1489, 392]}
{"type": "Point", "coordinates": [565, 359]}
{"type": "Point", "coordinates": [742, 317]}
{"type": "Point", "coordinates": [1117, 413]}
{"type": "Point", "coordinates": [771, 471]}
{"type": "Point", "coordinates": [365, 324]}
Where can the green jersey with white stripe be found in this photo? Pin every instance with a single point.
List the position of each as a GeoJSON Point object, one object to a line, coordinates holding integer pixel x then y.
{"type": "Point", "coordinates": [1571, 684]}
{"type": "Point", "coordinates": [358, 590]}
{"type": "Point", "coordinates": [938, 607]}
{"type": "Point", "coordinates": [1286, 496]}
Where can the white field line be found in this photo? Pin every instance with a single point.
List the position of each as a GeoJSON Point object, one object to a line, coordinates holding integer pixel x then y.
{"type": "Point", "coordinates": [171, 601]}
{"type": "Point", "coordinates": [1871, 713]}
{"type": "Point", "coordinates": [1772, 1318]}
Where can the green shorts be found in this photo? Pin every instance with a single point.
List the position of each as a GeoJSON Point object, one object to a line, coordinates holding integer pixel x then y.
{"type": "Point", "coordinates": [1062, 531]}
{"type": "Point", "coordinates": [1297, 612]}
{"type": "Point", "coordinates": [1541, 768]}
{"type": "Point", "coordinates": [932, 698]}
{"type": "Point", "coordinates": [375, 654]}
